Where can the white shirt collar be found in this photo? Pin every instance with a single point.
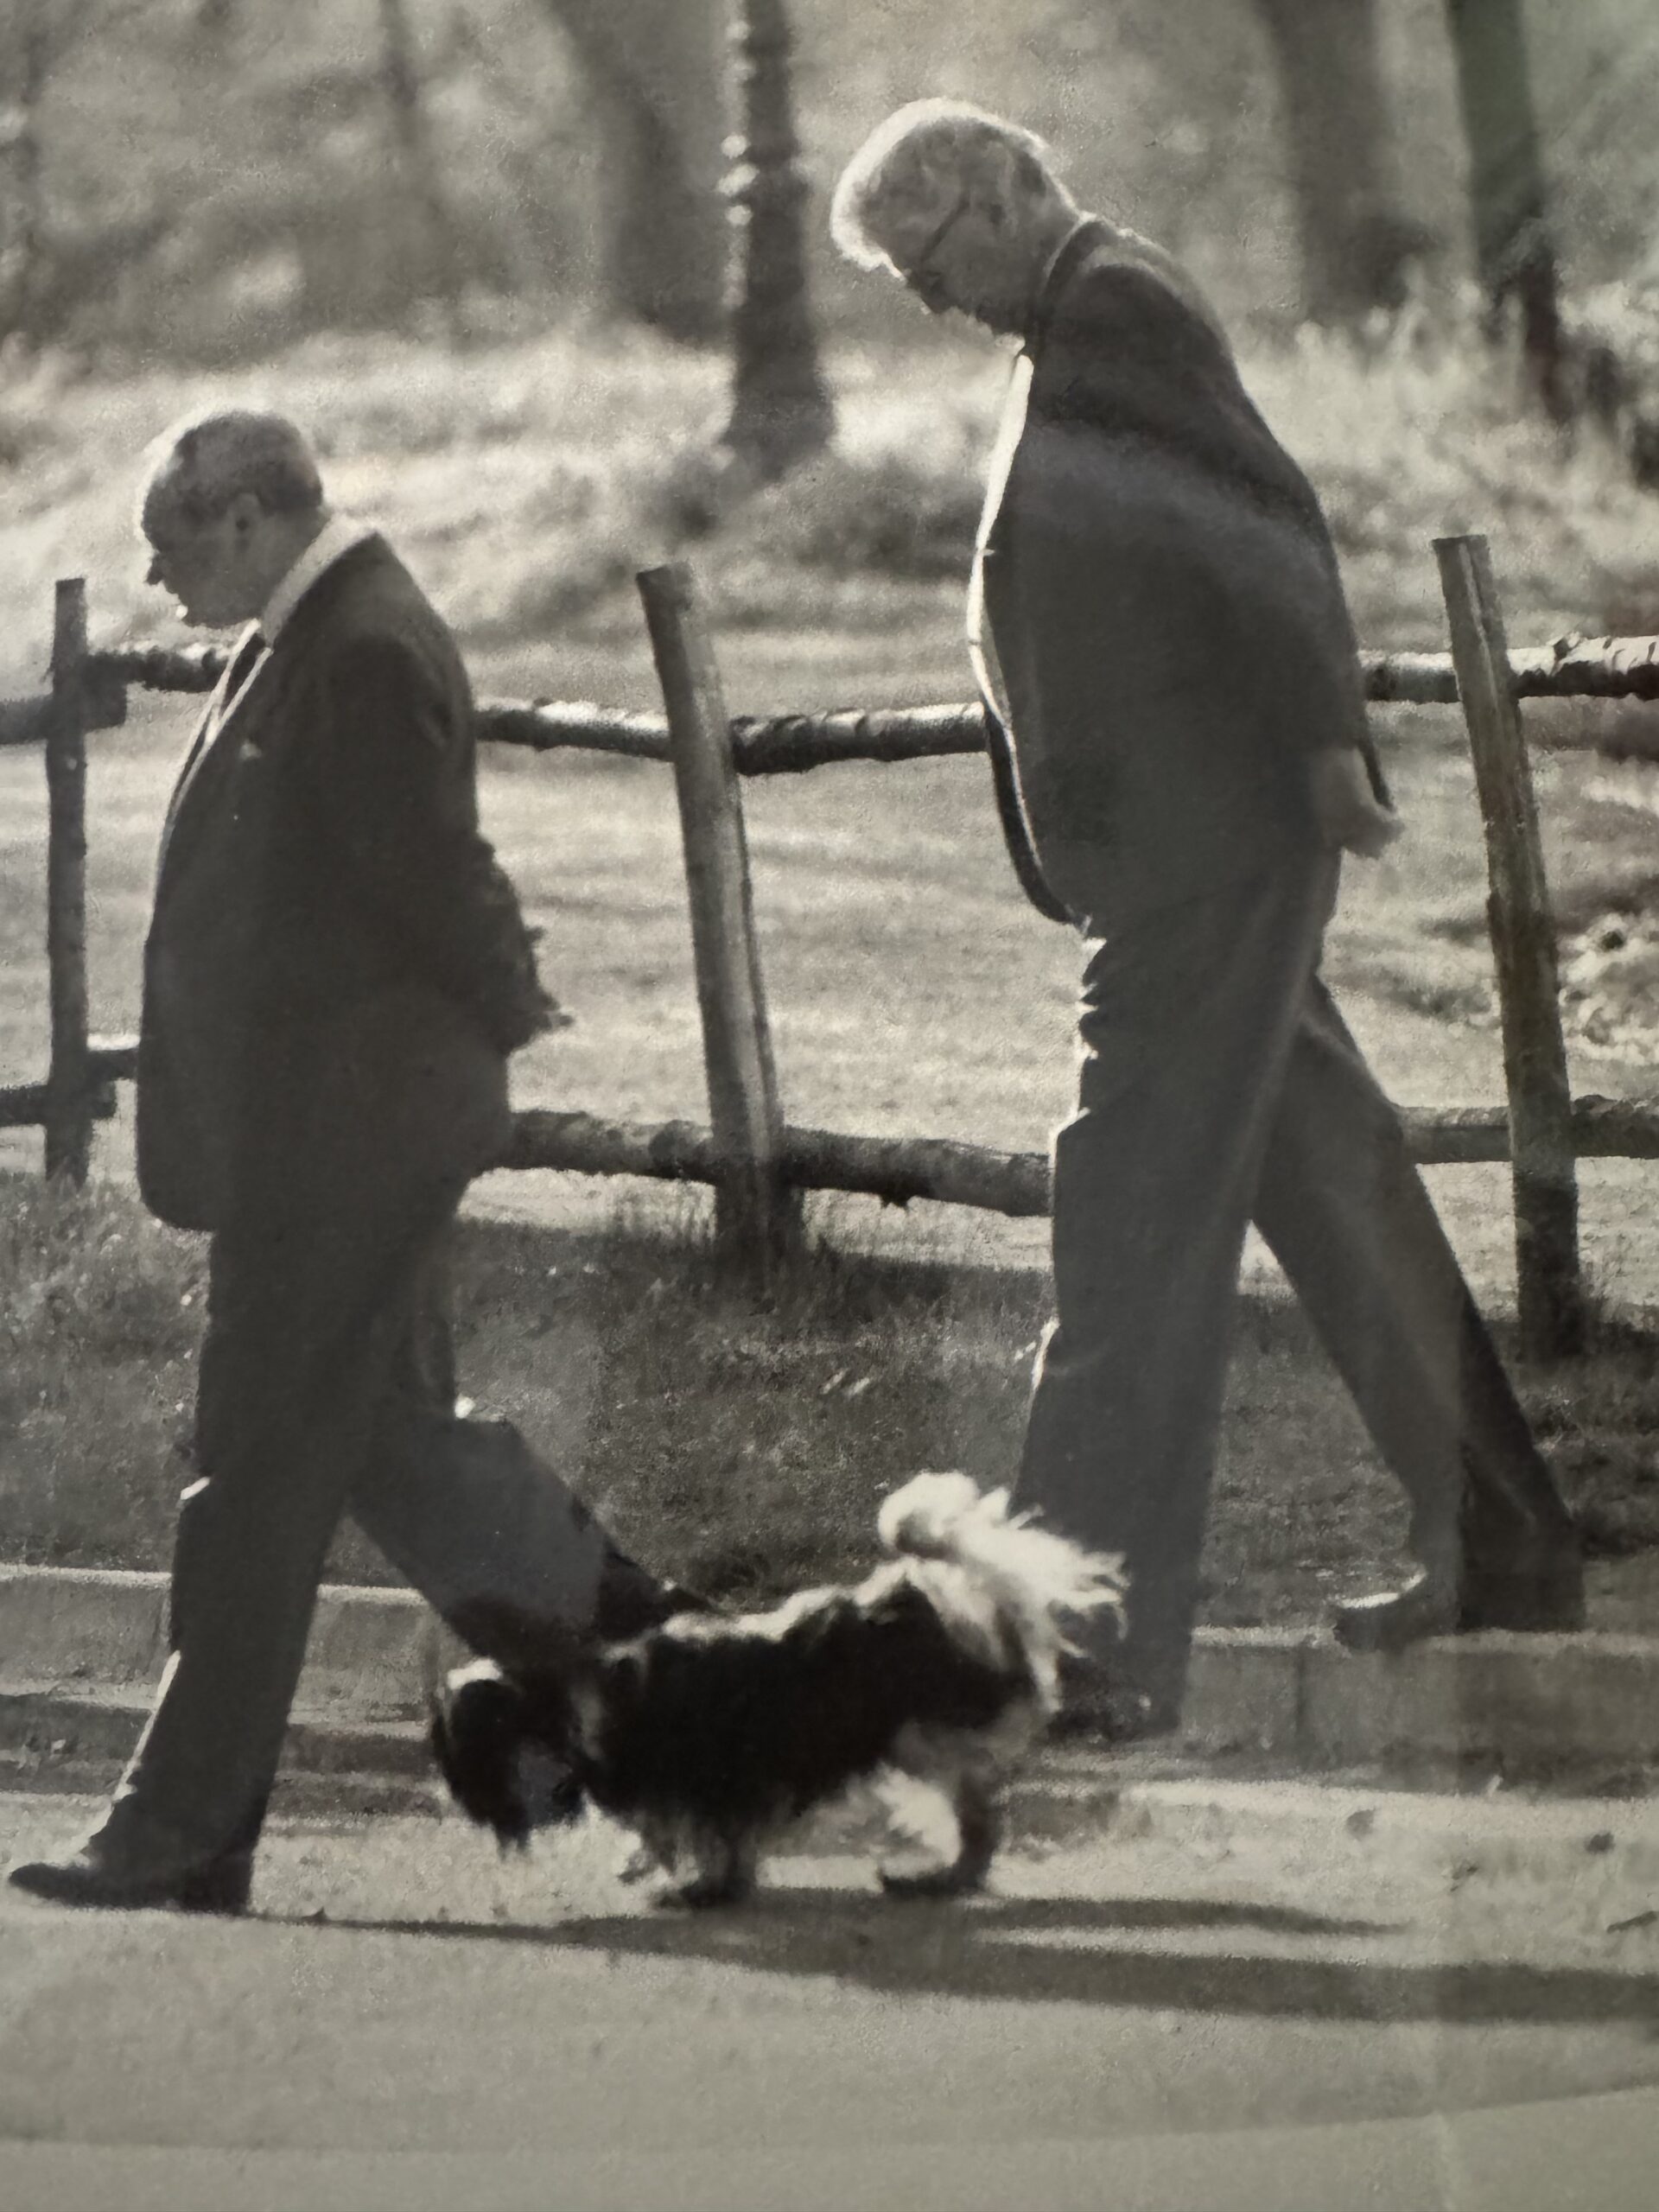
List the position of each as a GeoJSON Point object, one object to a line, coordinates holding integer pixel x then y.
{"type": "Point", "coordinates": [338, 536]}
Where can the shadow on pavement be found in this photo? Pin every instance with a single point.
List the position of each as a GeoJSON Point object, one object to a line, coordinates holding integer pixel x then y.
{"type": "Point", "coordinates": [1057, 1950]}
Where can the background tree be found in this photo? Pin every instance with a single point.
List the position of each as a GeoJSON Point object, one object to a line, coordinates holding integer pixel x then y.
{"type": "Point", "coordinates": [46, 270]}
{"type": "Point", "coordinates": [1357, 241]}
{"type": "Point", "coordinates": [25, 66]}
{"type": "Point", "coordinates": [654, 70]}
{"type": "Point", "coordinates": [432, 268]}
{"type": "Point", "coordinates": [1515, 250]}
{"type": "Point", "coordinates": [781, 410]}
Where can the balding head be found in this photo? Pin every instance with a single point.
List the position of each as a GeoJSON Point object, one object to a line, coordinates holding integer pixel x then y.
{"type": "Point", "coordinates": [964, 207]}
{"type": "Point", "coordinates": [200, 464]}
{"type": "Point", "coordinates": [228, 502]}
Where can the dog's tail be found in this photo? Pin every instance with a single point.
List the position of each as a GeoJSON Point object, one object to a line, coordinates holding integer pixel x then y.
{"type": "Point", "coordinates": [1028, 1572]}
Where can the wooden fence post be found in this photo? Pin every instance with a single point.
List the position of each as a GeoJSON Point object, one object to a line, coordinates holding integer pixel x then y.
{"type": "Point", "coordinates": [1551, 1290]}
{"type": "Point", "coordinates": [69, 1100]}
{"type": "Point", "coordinates": [757, 1216]}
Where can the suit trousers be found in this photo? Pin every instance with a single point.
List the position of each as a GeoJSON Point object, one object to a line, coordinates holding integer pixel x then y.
{"type": "Point", "coordinates": [327, 1387]}
{"type": "Point", "coordinates": [1218, 1083]}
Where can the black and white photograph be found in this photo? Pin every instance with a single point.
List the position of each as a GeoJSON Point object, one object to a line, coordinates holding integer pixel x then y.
{"type": "Point", "coordinates": [829, 1106]}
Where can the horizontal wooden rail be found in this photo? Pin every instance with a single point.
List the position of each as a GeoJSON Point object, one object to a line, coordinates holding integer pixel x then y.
{"type": "Point", "coordinates": [23, 722]}
{"type": "Point", "coordinates": [762, 745]}
{"type": "Point", "coordinates": [1574, 668]}
{"type": "Point", "coordinates": [166, 668]}
{"type": "Point", "coordinates": [24, 1105]}
{"type": "Point", "coordinates": [895, 1169]}
{"type": "Point", "coordinates": [1571, 668]}
{"type": "Point", "coordinates": [898, 1169]}
{"type": "Point", "coordinates": [109, 1060]}
{"type": "Point", "coordinates": [553, 725]}
{"type": "Point", "coordinates": [103, 700]}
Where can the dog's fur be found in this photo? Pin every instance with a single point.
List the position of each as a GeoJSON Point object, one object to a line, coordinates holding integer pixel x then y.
{"type": "Point", "coordinates": [709, 1735]}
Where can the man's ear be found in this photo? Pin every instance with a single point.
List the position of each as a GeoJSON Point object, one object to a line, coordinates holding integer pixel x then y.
{"type": "Point", "coordinates": [245, 512]}
{"type": "Point", "coordinates": [1015, 179]}
{"type": "Point", "coordinates": [987, 198]}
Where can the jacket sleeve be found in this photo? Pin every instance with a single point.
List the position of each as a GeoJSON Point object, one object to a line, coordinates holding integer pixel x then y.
{"type": "Point", "coordinates": [391, 769]}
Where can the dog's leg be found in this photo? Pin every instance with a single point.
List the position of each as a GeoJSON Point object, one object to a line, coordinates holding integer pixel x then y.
{"type": "Point", "coordinates": [639, 1864]}
{"type": "Point", "coordinates": [726, 1867]}
{"type": "Point", "coordinates": [656, 1851]}
{"type": "Point", "coordinates": [979, 1817]}
{"type": "Point", "coordinates": [979, 1830]}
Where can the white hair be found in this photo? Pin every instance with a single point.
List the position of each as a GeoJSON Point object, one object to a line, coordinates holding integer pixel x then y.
{"type": "Point", "coordinates": [911, 167]}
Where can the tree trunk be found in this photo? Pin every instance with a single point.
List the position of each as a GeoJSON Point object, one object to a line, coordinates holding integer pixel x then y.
{"type": "Point", "coordinates": [1515, 252]}
{"type": "Point", "coordinates": [1356, 241]}
{"type": "Point", "coordinates": [429, 253]}
{"type": "Point", "coordinates": [781, 410]}
{"type": "Point", "coordinates": [653, 69]}
{"type": "Point", "coordinates": [23, 192]}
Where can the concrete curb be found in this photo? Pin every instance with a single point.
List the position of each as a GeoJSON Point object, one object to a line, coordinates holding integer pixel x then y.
{"type": "Point", "coordinates": [74, 1629]}
{"type": "Point", "coordinates": [335, 1771]}
{"type": "Point", "coordinates": [1447, 1832]}
{"type": "Point", "coordinates": [81, 1649]}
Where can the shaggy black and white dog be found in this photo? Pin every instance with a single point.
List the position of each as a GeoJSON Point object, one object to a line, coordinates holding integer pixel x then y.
{"type": "Point", "coordinates": [709, 1736]}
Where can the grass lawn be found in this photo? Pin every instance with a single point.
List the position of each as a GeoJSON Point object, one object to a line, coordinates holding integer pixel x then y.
{"type": "Point", "coordinates": [912, 990]}
{"type": "Point", "coordinates": [741, 1445]}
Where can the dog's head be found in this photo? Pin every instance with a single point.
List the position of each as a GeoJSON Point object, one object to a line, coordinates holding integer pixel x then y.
{"type": "Point", "coordinates": [500, 1756]}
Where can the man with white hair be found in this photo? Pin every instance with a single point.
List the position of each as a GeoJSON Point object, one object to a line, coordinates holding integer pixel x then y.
{"type": "Point", "coordinates": [336, 973]}
{"type": "Point", "coordinates": [1177, 732]}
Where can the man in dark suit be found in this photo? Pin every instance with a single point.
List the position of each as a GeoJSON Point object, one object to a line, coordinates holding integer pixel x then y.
{"type": "Point", "coordinates": [336, 973]}
{"type": "Point", "coordinates": [1181, 755]}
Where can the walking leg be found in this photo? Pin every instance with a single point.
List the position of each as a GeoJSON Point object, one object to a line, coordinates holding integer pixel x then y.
{"type": "Point", "coordinates": [510, 1558]}
{"type": "Point", "coordinates": [1186, 1024]}
{"type": "Point", "coordinates": [1346, 1210]}
{"type": "Point", "coordinates": [303, 1322]}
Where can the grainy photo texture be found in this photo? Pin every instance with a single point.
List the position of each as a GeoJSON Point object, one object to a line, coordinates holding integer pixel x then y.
{"type": "Point", "coordinates": [829, 1024]}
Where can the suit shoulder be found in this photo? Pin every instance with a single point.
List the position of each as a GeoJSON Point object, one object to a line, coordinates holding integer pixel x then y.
{"type": "Point", "coordinates": [1121, 303]}
{"type": "Point", "coordinates": [379, 614]}
{"type": "Point", "coordinates": [375, 596]}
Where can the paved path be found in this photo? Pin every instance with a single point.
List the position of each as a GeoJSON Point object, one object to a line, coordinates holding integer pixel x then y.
{"type": "Point", "coordinates": [1247, 2022]}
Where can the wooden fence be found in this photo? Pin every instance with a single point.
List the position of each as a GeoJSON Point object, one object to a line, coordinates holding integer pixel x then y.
{"type": "Point", "coordinates": [758, 1163]}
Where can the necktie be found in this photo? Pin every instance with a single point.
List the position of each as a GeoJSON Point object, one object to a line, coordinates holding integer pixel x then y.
{"type": "Point", "coordinates": [249, 651]}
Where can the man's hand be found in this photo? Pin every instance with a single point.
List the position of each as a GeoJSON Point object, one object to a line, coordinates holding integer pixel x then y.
{"type": "Point", "coordinates": [1349, 814]}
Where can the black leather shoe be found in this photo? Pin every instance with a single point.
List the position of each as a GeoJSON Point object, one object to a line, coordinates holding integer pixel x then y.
{"type": "Point", "coordinates": [81, 1877]}
{"type": "Point", "coordinates": [1542, 1603]}
{"type": "Point", "coordinates": [1427, 1605]}
{"type": "Point", "coordinates": [1538, 1603]}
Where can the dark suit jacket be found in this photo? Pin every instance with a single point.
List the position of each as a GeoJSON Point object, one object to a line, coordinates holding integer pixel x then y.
{"type": "Point", "coordinates": [336, 968]}
{"type": "Point", "coordinates": [1164, 600]}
